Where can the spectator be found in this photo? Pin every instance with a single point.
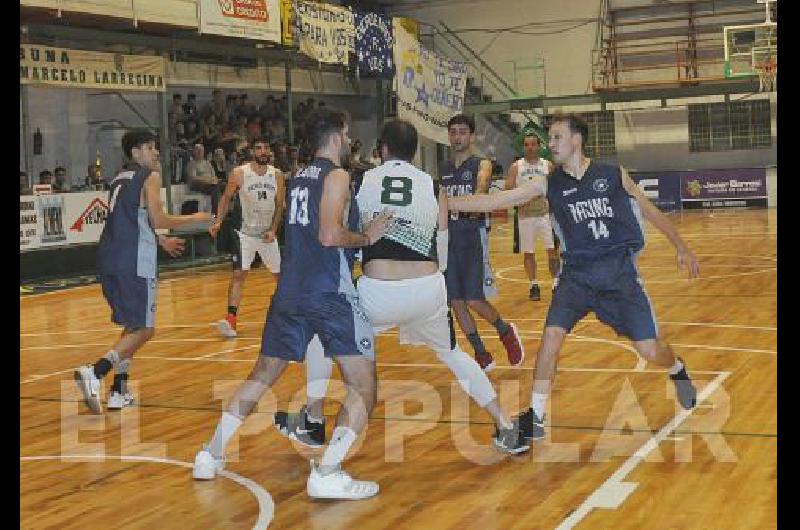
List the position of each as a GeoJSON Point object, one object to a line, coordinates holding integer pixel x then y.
{"type": "Point", "coordinates": [190, 107]}
{"type": "Point", "coordinates": [253, 128]}
{"type": "Point", "coordinates": [355, 151]}
{"type": "Point", "coordinates": [220, 165]}
{"type": "Point", "coordinates": [295, 164]}
{"type": "Point", "coordinates": [201, 177]}
{"type": "Point", "coordinates": [240, 128]}
{"type": "Point", "coordinates": [212, 132]}
{"type": "Point", "coordinates": [60, 179]}
{"type": "Point", "coordinates": [281, 156]}
{"type": "Point", "coordinates": [46, 177]}
{"type": "Point", "coordinates": [245, 108]}
{"type": "Point", "coordinates": [192, 134]}
{"type": "Point", "coordinates": [217, 107]}
{"type": "Point", "coordinates": [233, 108]}
{"type": "Point", "coordinates": [375, 159]}
{"type": "Point", "coordinates": [175, 112]}
{"type": "Point", "coordinates": [24, 185]}
{"type": "Point", "coordinates": [180, 161]}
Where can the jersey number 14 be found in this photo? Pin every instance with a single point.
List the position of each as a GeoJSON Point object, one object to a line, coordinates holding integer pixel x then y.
{"type": "Point", "coordinates": [599, 229]}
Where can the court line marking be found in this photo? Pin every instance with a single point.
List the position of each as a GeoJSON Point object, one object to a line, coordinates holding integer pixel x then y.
{"type": "Point", "coordinates": [260, 323]}
{"type": "Point", "coordinates": [499, 275]}
{"type": "Point", "coordinates": [38, 377]}
{"type": "Point", "coordinates": [266, 506]}
{"type": "Point", "coordinates": [170, 341]}
{"type": "Point", "coordinates": [613, 492]}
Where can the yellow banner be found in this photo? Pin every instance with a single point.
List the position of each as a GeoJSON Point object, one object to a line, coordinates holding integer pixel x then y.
{"type": "Point", "coordinates": [287, 23]}
{"type": "Point", "coordinates": [45, 65]}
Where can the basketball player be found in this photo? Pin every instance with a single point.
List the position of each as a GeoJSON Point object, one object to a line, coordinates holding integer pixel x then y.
{"type": "Point", "coordinates": [261, 194]}
{"type": "Point", "coordinates": [315, 296]}
{"type": "Point", "coordinates": [127, 265]}
{"type": "Point", "coordinates": [534, 223]}
{"type": "Point", "coordinates": [469, 276]}
{"type": "Point", "coordinates": [402, 285]}
{"type": "Point", "coordinates": [597, 212]}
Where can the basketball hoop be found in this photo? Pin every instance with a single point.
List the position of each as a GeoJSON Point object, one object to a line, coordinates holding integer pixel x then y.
{"type": "Point", "coordinates": [767, 72]}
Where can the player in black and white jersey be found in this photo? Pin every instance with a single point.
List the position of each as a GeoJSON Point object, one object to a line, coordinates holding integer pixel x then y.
{"type": "Point", "coordinates": [261, 194]}
{"type": "Point", "coordinates": [402, 285]}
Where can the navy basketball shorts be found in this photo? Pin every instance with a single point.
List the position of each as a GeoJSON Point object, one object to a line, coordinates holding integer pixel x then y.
{"type": "Point", "coordinates": [613, 290]}
{"type": "Point", "coordinates": [338, 319]}
{"type": "Point", "coordinates": [469, 275]}
{"type": "Point", "coordinates": [132, 299]}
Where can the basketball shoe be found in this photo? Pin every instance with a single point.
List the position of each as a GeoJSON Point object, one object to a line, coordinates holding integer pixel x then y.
{"type": "Point", "coordinates": [338, 485]}
{"type": "Point", "coordinates": [227, 326]}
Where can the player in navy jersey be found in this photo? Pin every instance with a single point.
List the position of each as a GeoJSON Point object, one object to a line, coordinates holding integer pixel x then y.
{"type": "Point", "coordinates": [315, 296]}
{"type": "Point", "coordinates": [469, 276]}
{"type": "Point", "coordinates": [597, 212]}
{"type": "Point", "coordinates": [127, 267]}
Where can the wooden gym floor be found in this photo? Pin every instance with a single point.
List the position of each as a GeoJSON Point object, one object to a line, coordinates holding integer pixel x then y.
{"type": "Point", "coordinates": [619, 453]}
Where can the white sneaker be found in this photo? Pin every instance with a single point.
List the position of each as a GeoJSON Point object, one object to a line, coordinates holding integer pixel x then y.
{"type": "Point", "coordinates": [89, 385]}
{"type": "Point", "coordinates": [226, 329]}
{"type": "Point", "coordinates": [118, 401]}
{"type": "Point", "coordinates": [206, 466]}
{"type": "Point", "coordinates": [338, 485]}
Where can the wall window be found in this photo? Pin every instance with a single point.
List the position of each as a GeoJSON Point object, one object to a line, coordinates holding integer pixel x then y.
{"type": "Point", "coordinates": [602, 138]}
{"type": "Point", "coordinates": [729, 126]}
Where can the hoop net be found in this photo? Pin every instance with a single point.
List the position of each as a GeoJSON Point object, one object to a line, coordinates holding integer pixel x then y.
{"type": "Point", "coordinates": [767, 73]}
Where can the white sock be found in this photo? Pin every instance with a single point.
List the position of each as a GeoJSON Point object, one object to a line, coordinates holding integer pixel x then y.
{"type": "Point", "coordinates": [226, 428]}
{"type": "Point", "coordinates": [472, 379]}
{"type": "Point", "coordinates": [677, 367]}
{"type": "Point", "coordinates": [341, 440]}
{"type": "Point", "coordinates": [538, 403]}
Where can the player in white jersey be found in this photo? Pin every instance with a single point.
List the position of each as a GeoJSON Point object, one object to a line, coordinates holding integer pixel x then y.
{"type": "Point", "coordinates": [261, 194]}
{"type": "Point", "coordinates": [534, 219]}
{"type": "Point", "coordinates": [403, 286]}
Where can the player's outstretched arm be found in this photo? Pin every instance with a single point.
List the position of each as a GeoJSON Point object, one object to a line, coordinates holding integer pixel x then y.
{"type": "Point", "coordinates": [158, 217]}
{"type": "Point", "coordinates": [234, 181]}
{"type": "Point", "coordinates": [332, 231]}
{"type": "Point", "coordinates": [496, 201]}
{"type": "Point", "coordinates": [686, 257]}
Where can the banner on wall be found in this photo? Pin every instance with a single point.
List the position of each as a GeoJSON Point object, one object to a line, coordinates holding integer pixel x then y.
{"type": "Point", "coordinates": [662, 188]}
{"type": "Point", "coordinates": [724, 188]}
{"type": "Point", "coordinates": [248, 19]}
{"type": "Point", "coordinates": [46, 65]}
{"type": "Point", "coordinates": [430, 87]}
{"type": "Point", "coordinates": [324, 32]}
{"type": "Point", "coordinates": [374, 45]}
{"type": "Point", "coordinates": [63, 218]}
{"type": "Point", "coordinates": [287, 22]}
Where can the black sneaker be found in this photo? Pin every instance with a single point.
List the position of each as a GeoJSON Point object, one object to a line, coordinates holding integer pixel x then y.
{"type": "Point", "coordinates": [297, 426]}
{"type": "Point", "coordinates": [684, 388]}
{"type": "Point", "coordinates": [511, 440]}
{"type": "Point", "coordinates": [534, 293]}
{"type": "Point", "coordinates": [531, 427]}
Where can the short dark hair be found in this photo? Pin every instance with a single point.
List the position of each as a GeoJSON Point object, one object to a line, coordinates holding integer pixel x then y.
{"type": "Point", "coordinates": [176, 96]}
{"type": "Point", "coordinates": [261, 140]}
{"type": "Point", "coordinates": [462, 119]}
{"type": "Point", "coordinates": [533, 135]}
{"type": "Point", "coordinates": [321, 123]}
{"type": "Point", "coordinates": [45, 173]}
{"type": "Point", "coordinates": [576, 124]}
{"type": "Point", "coordinates": [59, 168]}
{"type": "Point", "coordinates": [400, 138]}
{"type": "Point", "coordinates": [136, 138]}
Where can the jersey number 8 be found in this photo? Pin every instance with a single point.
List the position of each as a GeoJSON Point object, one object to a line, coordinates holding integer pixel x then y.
{"type": "Point", "coordinates": [396, 191]}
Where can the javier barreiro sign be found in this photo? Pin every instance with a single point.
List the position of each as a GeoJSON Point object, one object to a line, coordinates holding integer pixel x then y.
{"type": "Point", "coordinates": [724, 188]}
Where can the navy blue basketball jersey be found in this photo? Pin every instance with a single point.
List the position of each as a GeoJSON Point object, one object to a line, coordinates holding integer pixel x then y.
{"type": "Point", "coordinates": [594, 215]}
{"type": "Point", "coordinates": [128, 242]}
{"type": "Point", "coordinates": [307, 267]}
{"type": "Point", "coordinates": [459, 181]}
